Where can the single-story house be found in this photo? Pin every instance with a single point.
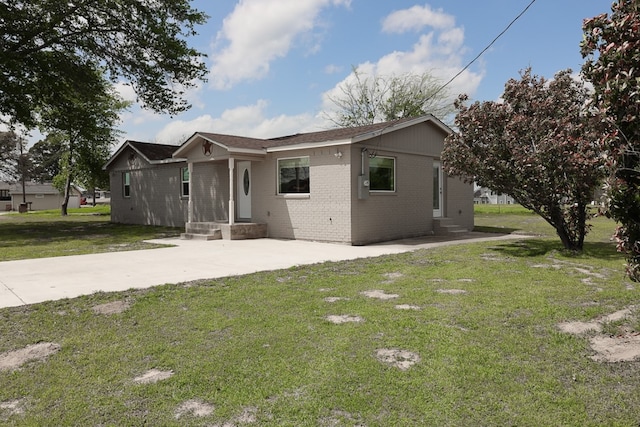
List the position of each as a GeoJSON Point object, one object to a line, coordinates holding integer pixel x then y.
{"type": "Point", "coordinates": [351, 185]}
{"type": "Point", "coordinates": [38, 196]}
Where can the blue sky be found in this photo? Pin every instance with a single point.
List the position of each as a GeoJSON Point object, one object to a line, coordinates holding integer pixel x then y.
{"type": "Point", "coordinates": [273, 62]}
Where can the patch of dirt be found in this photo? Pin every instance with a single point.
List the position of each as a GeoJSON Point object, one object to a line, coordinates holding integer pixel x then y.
{"type": "Point", "coordinates": [344, 318]}
{"type": "Point", "coordinates": [466, 280]}
{"type": "Point", "coordinates": [492, 257]}
{"type": "Point", "coordinates": [391, 277]}
{"type": "Point", "coordinates": [578, 328]}
{"type": "Point", "coordinates": [451, 291]}
{"type": "Point", "coordinates": [248, 416]}
{"type": "Point", "coordinates": [194, 407]}
{"type": "Point", "coordinates": [401, 359]}
{"type": "Point", "coordinates": [590, 273]}
{"type": "Point", "coordinates": [595, 325]}
{"type": "Point", "coordinates": [623, 347]}
{"type": "Point", "coordinates": [556, 266]}
{"type": "Point", "coordinates": [153, 376]}
{"type": "Point", "coordinates": [12, 360]}
{"type": "Point", "coordinates": [114, 307]}
{"type": "Point", "coordinates": [407, 307]}
{"type": "Point", "coordinates": [11, 407]}
{"type": "Point", "coordinates": [379, 294]}
{"type": "Point", "coordinates": [335, 299]}
{"type": "Point", "coordinates": [339, 418]}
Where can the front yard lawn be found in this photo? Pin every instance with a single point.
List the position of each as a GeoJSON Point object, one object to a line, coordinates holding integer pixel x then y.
{"type": "Point", "coordinates": [83, 231]}
{"type": "Point", "coordinates": [473, 334]}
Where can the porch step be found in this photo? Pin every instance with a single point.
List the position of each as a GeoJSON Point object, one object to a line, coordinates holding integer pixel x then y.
{"type": "Point", "coordinates": [446, 227]}
{"type": "Point", "coordinates": [202, 231]}
{"type": "Point", "coordinates": [195, 236]}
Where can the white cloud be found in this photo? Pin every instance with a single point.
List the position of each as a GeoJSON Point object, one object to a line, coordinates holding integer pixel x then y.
{"type": "Point", "coordinates": [333, 69]}
{"type": "Point", "coordinates": [416, 18]}
{"type": "Point", "coordinates": [248, 120]}
{"type": "Point", "coordinates": [440, 51]}
{"type": "Point", "coordinates": [259, 31]}
{"type": "Point", "coordinates": [125, 91]}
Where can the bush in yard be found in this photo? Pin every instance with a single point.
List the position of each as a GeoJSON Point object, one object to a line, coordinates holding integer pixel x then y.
{"type": "Point", "coordinates": [540, 145]}
{"type": "Point", "coordinates": [612, 47]}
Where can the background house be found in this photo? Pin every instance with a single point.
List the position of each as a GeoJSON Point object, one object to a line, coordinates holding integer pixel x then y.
{"type": "Point", "coordinates": [486, 196]}
{"type": "Point", "coordinates": [352, 185]}
{"type": "Point", "coordinates": [38, 196]}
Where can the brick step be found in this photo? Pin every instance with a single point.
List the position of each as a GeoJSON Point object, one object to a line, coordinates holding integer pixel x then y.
{"type": "Point", "coordinates": [446, 227]}
{"type": "Point", "coordinates": [202, 227]}
{"type": "Point", "coordinates": [215, 235]}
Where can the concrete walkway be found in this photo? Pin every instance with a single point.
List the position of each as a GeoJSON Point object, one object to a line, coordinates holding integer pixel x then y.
{"type": "Point", "coordinates": [44, 279]}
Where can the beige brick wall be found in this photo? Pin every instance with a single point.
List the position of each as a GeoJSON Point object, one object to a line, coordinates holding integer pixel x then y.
{"type": "Point", "coordinates": [459, 202]}
{"type": "Point", "coordinates": [210, 186]}
{"type": "Point", "coordinates": [155, 194]}
{"type": "Point", "coordinates": [405, 213]}
{"type": "Point", "coordinates": [323, 215]}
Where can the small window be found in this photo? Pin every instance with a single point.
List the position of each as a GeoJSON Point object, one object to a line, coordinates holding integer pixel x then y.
{"type": "Point", "coordinates": [293, 176]}
{"type": "Point", "coordinates": [126, 184]}
{"type": "Point", "coordinates": [382, 174]}
{"type": "Point", "coordinates": [4, 195]}
{"type": "Point", "coordinates": [184, 178]}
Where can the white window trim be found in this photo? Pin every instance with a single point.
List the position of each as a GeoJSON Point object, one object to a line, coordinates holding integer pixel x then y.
{"type": "Point", "coordinates": [292, 195]}
{"type": "Point", "coordinates": [182, 182]}
{"type": "Point", "coordinates": [125, 185]}
{"type": "Point", "coordinates": [395, 186]}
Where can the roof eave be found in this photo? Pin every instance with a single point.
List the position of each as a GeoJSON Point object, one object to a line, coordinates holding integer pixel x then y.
{"type": "Point", "coordinates": [306, 145]}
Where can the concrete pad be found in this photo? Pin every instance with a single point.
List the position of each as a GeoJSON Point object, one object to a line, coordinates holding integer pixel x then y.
{"type": "Point", "coordinates": [44, 279]}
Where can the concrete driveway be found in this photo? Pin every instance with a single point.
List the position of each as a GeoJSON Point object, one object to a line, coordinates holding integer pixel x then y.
{"type": "Point", "coordinates": [43, 279]}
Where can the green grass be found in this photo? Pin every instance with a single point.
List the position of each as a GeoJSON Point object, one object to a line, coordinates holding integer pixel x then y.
{"type": "Point", "coordinates": [87, 230]}
{"type": "Point", "coordinates": [515, 218]}
{"type": "Point", "coordinates": [260, 343]}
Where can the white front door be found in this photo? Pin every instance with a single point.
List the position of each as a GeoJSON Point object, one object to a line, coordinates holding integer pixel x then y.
{"type": "Point", "coordinates": [244, 190]}
{"type": "Point", "coordinates": [437, 189]}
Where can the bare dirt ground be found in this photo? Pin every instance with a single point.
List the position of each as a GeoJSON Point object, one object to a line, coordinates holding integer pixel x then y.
{"type": "Point", "coordinates": [12, 360]}
{"type": "Point", "coordinates": [344, 318]}
{"type": "Point", "coordinates": [379, 294]}
{"type": "Point", "coordinates": [194, 407]}
{"type": "Point", "coordinates": [153, 376]}
{"type": "Point", "coordinates": [623, 346]}
{"type": "Point", "coordinates": [401, 359]}
{"type": "Point", "coordinates": [451, 291]}
{"type": "Point", "coordinates": [114, 307]}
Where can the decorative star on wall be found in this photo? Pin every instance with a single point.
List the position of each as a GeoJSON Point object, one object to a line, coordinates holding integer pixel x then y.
{"type": "Point", "coordinates": [207, 148]}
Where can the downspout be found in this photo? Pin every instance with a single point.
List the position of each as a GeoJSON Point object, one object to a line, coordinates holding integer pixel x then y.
{"type": "Point", "coordinates": [232, 203]}
{"type": "Point", "coordinates": [190, 204]}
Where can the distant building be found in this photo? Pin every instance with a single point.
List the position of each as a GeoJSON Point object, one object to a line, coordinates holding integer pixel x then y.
{"type": "Point", "coordinates": [38, 196]}
{"type": "Point", "coordinates": [486, 196]}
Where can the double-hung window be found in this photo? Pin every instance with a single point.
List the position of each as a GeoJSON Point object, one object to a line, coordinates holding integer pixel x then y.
{"type": "Point", "coordinates": [184, 179]}
{"type": "Point", "coordinates": [382, 174]}
{"type": "Point", "coordinates": [293, 175]}
{"type": "Point", "coordinates": [126, 184]}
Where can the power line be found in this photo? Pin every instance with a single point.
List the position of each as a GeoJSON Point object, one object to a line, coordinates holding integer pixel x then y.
{"type": "Point", "coordinates": [486, 48]}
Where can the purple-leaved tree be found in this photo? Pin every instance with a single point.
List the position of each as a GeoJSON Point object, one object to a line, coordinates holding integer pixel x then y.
{"type": "Point", "coordinates": [540, 145]}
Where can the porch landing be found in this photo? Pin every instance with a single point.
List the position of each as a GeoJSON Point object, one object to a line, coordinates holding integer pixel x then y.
{"type": "Point", "coordinates": [219, 230]}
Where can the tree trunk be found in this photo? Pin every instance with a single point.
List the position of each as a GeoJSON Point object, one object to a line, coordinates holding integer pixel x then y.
{"type": "Point", "coordinates": [557, 220]}
{"type": "Point", "coordinates": [67, 192]}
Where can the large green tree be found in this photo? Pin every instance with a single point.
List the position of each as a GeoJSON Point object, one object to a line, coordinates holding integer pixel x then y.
{"type": "Point", "coordinates": [541, 145]}
{"type": "Point", "coordinates": [46, 155]}
{"type": "Point", "coordinates": [364, 99]}
{"type": "Point", "coordinates": [11, 146]}
{"type": "Point", "coordinates": [83, 115]}
{"type": "Point", "coordinates": [612, 47]}
{"type": "Point", "coordinates": [140, 41]}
